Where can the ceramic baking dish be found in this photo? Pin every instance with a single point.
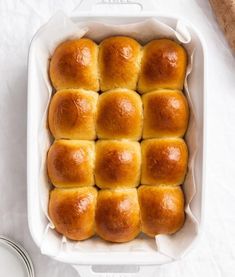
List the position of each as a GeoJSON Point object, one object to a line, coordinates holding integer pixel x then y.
{"type": "Point", "coordinates": [112, 12]}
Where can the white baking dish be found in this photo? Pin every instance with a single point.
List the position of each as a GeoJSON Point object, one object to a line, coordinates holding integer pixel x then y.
{"type": "Point", "coordinates": [36, 218]}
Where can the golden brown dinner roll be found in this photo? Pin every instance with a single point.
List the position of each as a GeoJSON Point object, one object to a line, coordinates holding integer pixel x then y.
{"type": "Point", "coordinates": [165, 114]}
{"type": "Point", "coordinates": [72, 114]}
{"type": "Point", "coordinates": [163, 66]}
{"type": "Point", "coordinates": [164, 161]}
{"type": "Point", "coordinates": [161, 209]}
{"type": "Point", "coordinates": [117, 164]}
{"type": "Point", "coordinates": [117, 215]}
{"type": "Point", "coordinates": [74, 64]}
{"type": "Point", "coordinates": [72, 212]}
{"type": "Point", "coordinates": [119, 115]}
{"type": "Point", "coordinates": [70, 163]}
{"type": "Point", "coordinates": [119, 63]}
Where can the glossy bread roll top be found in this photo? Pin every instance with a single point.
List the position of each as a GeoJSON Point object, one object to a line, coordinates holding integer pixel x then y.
{"type": "Point", "coordinates": [164, 161]}
{"type": "Point", "coordinates": [117, 164]}
{"type": "Point", "coordinates": [162, 209]}
{"type": "Point", "coordinates": [70, 163]}
{"type": "Point", "coordinates": [74, 64]}
{"type": "Point", "coordinates": [72, 212]}
{"type": "Point", "coordinates": [166, 114]}
{"type": "Point", "coordinates": [117, 215]}
{"type": "Point", "coordinates": [163, 65]}
{"type": "Point", "coordinates": [119, 63]}
{"type": "Point", "coordinates": [119, 115]}
{"type": "Point", "coordinates": [72, 114]}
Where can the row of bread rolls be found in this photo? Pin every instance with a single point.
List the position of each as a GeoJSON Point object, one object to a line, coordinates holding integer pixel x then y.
{"type": "Point", "coordinates": [117, 114]}
{"type": "Point", "coordinates": [117, 215]}
{"type": "Point", "coordinates": [117, 164]}
{"type": "Point", "coordinates": [118, 62]}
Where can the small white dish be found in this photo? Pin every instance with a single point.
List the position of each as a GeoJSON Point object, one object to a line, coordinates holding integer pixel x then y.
{"type": "Point", "coordinates": [14, 261]}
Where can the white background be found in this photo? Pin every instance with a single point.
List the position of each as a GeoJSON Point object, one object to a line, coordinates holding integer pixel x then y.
{"type": "Point", "coordinates": [214, 255]}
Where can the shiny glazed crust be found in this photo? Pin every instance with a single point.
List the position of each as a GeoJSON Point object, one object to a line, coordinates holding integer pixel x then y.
{"type": "Point", "coordinates": [95, 98]}
{"type": "Point", "coordinates": [72, 114]}
{"type": "Point", "coordinates": [119, 63]}
{"type": "Point", "coordinates": [72, 211]}
{"type": "Point", "coordinates": [74, 64]}
{"type": "Point", "coordinates": [117, 164]}
{"type": "Point", "coordinates": [119, 115]}
{"type": "Point", "coordinates": [164, 161]}
{"type": "Point", "coordinates": [163, 65]}
{"type": "Point", "coordinates": [117, 215]}
{"type": "Point", "coordinates": [162, 209]}
{"type": "Point", "coordinates": [70, 163]}
{"type": "Point", "coordinates": [166, 114]}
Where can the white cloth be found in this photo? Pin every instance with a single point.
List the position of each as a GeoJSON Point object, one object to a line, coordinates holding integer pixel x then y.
{"type": "Point", "coordinates": [214, 254]}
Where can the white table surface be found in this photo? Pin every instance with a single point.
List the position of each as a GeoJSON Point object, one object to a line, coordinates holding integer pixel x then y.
{"type": "Point", "coordinates": [214, 254]}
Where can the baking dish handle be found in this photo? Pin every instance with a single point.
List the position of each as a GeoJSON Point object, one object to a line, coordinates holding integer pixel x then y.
{"type": "Point", "coordinates": [115, 271]}
{"type": "Point", "coordinates": [89, 6]}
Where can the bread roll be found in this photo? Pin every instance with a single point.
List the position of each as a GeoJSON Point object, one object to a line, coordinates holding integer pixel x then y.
{"type": "Point", "coordinates": [70, 163]}
{"type": "Point", "coordinates": [165, 114]}
{"type": "Point", "coordinates": [119, 63]}
{"type": "Point", "coordinates": [161, 209]}
{"type": "Point", "coordinates": [164, 161]}
{"type": "Point", "coordinates": [117, 215]}
{"type": "Point", "coordinates": [117, 164]}
{"type": "Point", "coordinates": [74, 64]}
{"type": "Point", "coordinates": [72, 211]}
{"type": "Point", "coordinates": [163, 66]}
{"type": "Point", "coordinates": [72, 114]}
{"type": "Point", "coordinates": [119, 115]}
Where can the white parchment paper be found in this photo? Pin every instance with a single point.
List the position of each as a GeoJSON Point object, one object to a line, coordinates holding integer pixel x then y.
{"type": "Point", "coordinates": [60, 28]}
